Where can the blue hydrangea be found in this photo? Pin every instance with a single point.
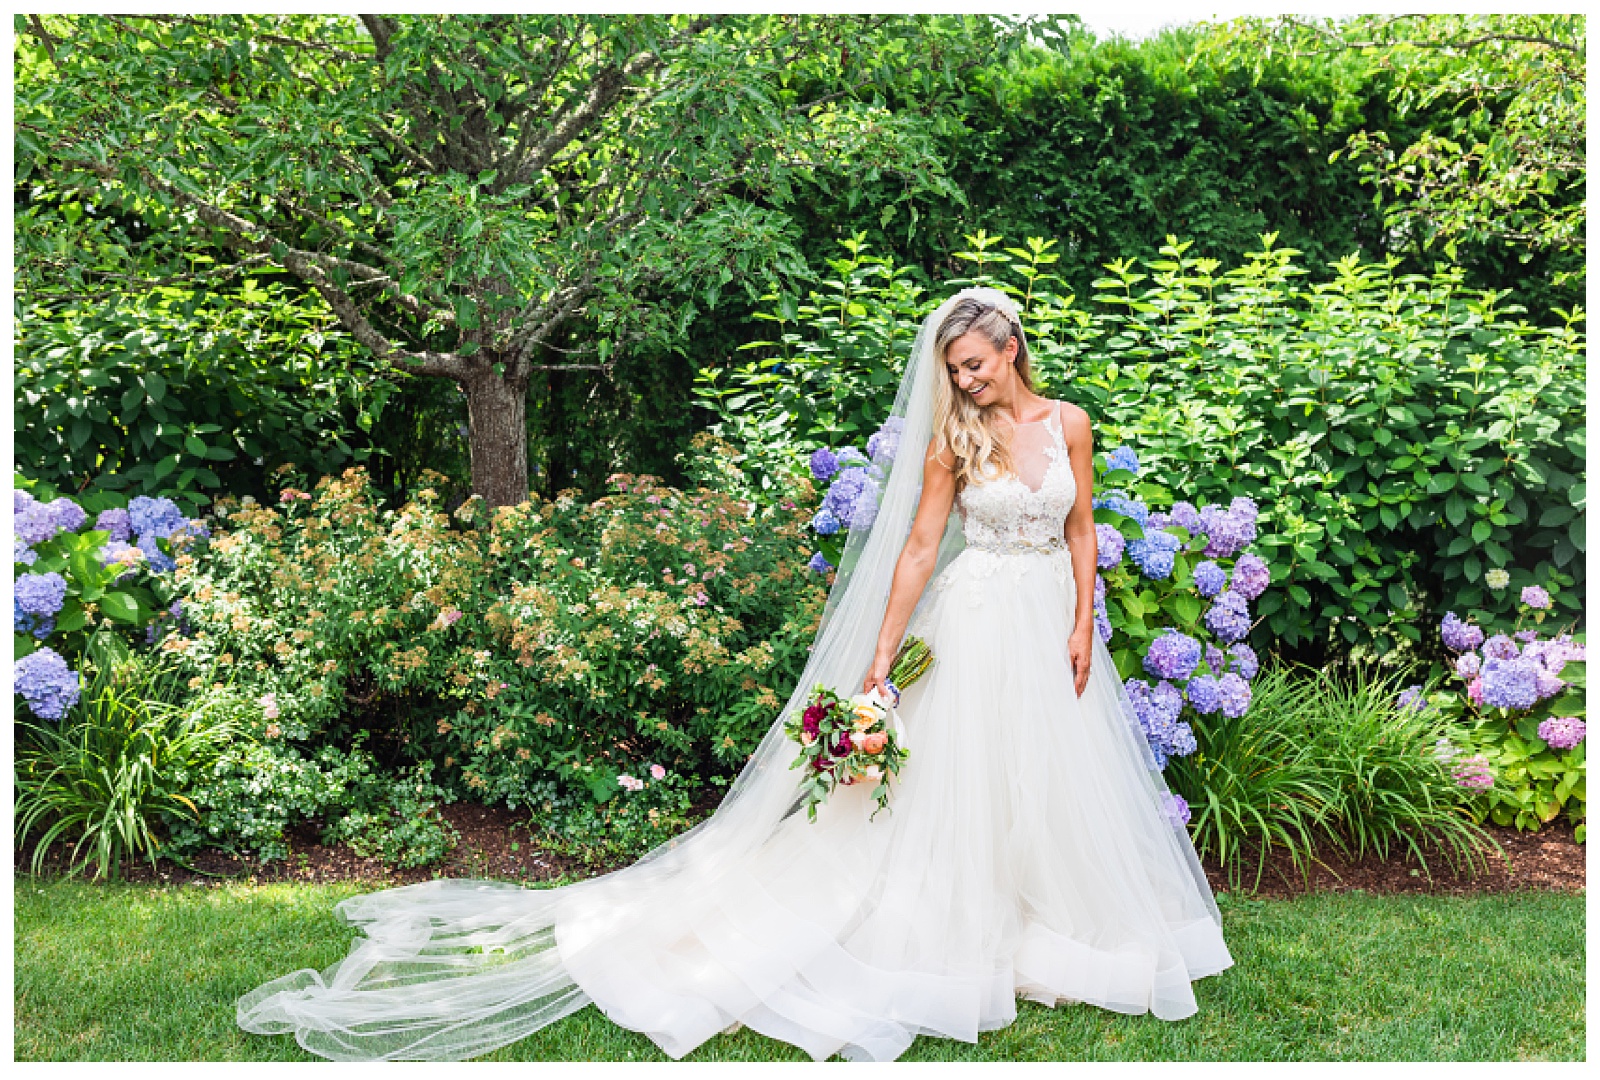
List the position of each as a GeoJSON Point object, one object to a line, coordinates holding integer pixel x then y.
{"type": "Point", "coordinates": [823, 463]}
{"type": "Point", "coordinates": [1099, 589]}
{"type": "Point", "coordinates": [1510, 684]}
{"type": "Point", "coordinates": [20, 501]}
{"type": "Point", "coordinates": [1245, 661]}
{"type": "Point", "coordinates": [1116, 500]}
{"type": "Point", "coordinates": [1182, 742]}
{"type": "Point", "coordinates": [154, 517]}
{"type": "Point", "coordinates": [1235, 695]}
{"type": "Point", "coordinates": [1109, 543]}
{"type": "Point", "coordinates": [1458, 635]}
{"type": "Point", "coordinates": [1251, 576]}
{"type": "Point", "coordinates": [1176, 810]}
{"type": "Point", "coordinates": [1209, 578]}
{"type": "Point", "coordinates": [159, 561]}
{"type": "Point", "coordinates": [46, 683]}
{"type": "Point", "coordinates": [825, 523]}
{"type": "Point", "coordinates": [35, 524]}
{"type": "Point", "coordinates": [1102, 623]}
{"type": "Point", "coordinates": [1123, 457]}
{"type": "Point", "coordinates": [22, 553]}
{"type": "Point", "coordinates": [1184, 514]}
{"type": "Point", "coordinates": [114, 551]}
{"type": "Point", "coordinates": [1157, 521]}
{"type": "Point", "coordinates": [1155, 554]}
{"type": "Point", "coordinates": [1244, 508]}
{"type": "Point", "coordinates": [116, 522]}
{"type": "Point", "coordinates": [885, 442]}
{"type": "Point", "coordinates": [1229, 616]}
{"type": "Point", "coordinates": [40, 594]}
{"type": "Point", "coordinates": [851, 456]}
{"type": "Point", "coordinates": [819, 564]}
{"type": "Point", "coordinates": [1216, 659]}
{"type": "Point", "coordinates": [1204, 694]}
{"type": "Point", "coordinates": [1172, 655]}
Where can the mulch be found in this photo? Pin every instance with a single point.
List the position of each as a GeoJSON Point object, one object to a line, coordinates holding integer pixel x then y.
{"type": "Point", "coordinates": [497, 843]}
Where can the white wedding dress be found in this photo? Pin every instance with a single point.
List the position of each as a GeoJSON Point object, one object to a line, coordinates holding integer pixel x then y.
{"type": "Point", "coordinates": [1026, 853]}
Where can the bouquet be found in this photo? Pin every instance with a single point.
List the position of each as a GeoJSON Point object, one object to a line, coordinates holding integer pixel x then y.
{"type": "Point", "coordinates": [845, 741]}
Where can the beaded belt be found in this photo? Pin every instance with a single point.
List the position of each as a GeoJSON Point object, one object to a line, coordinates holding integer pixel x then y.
{"type": "Point", "coordinates": [1017, 546]}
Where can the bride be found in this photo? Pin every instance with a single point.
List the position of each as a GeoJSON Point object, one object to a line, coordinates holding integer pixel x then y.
{"type": "Point", "coordinates": [1029, 849]}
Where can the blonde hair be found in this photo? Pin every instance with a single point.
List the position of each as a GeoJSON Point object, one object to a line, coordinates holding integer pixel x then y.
{"type": "Point", "coordinates": [968, 430]}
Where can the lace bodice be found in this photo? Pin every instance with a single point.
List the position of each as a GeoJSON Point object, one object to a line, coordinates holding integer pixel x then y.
{"type": "Point", "coordinates": [1029, 509]}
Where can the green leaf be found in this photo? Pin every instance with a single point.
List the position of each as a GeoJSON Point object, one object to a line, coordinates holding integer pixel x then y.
{"type": "Point", "coordinates": [154, 385]}
{"type": "Point", "coordinates": [120, 606]}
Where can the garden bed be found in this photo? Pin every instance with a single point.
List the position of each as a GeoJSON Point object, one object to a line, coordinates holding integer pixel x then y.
{"type": "Point", "coordinates": [497, 843]}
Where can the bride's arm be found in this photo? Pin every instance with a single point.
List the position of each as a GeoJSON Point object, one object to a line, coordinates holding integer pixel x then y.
{"type": "Point", "coordinates": [1081, 539]}
{"type": "Point", "coordinates": [916, 563]}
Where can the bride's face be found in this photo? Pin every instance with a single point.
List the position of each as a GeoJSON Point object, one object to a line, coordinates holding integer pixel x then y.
{"type": "Point", "coordinates": [981, 371]}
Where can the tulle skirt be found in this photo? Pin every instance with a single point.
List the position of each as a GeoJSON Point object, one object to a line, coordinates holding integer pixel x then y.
{"type": "Point", "coordinates": [1027, 852]}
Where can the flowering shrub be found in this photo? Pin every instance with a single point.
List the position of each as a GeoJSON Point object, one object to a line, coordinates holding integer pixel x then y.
{"type": "Point", "coordinates": [541, 651]}
{"type": "Point", "coordinates": [1171, 566]}
{"type": "Point", "coordinates": [69, 580]}
{"type": "Point", "coordinates": [1518, 706]}
{"type": "Point", "coordinates": [650, 810]}
{"type": "Point", "coordinates": [855, 481]}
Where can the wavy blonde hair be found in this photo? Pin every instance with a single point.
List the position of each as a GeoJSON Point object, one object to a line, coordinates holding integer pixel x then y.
{"type": "Point", "coordinates": [967, 430]}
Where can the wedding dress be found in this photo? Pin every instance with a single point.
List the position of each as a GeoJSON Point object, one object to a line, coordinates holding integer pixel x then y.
{"type": "Point", "coordinates": [1027, 852]}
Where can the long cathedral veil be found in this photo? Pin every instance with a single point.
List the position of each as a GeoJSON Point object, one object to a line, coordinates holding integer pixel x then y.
{"type": "Point", "coordinates": [452, 969]}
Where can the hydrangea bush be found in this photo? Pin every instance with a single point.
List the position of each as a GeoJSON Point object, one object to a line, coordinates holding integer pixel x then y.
{"type": "Point", "coordinates": [1517, 701]}
{"type": "Point", "coordinates": [73, 574]}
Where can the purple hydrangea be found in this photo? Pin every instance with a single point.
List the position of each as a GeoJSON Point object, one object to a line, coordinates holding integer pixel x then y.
{"type": "Point", "coordinates": [1099, 589]}
{"type": "Point", "coordinates": [1184, 514]}
{"type": "Point", "coordinates": [1510, 684]}
{"type": "Point", "coordinates": [825, 523]}
{"type": "Point", "coordinates": [1157, 521]}
{"type": "Point", "coordinates": [1227, 531]}
{"type": "Point", "coordinates": [1155, 554]}
{"type": "Point", "coordinates": [20, 501]}
{"type": "Point", "coordinates": [852, 498]}
{"type": "Point", "coordinates": [1182, 742]}
{"type": "Point", "coordinates": [1467, 665]}
{"type": "Point", "coordinates": [46, 683]}
{"type": "Point", "coordinates": [1251, 576]}
{"type": "Point", "coordinates": [1123, 457]}
{"type": "Point", "coordinates": [154, 517]}
{"type": "Point", "coordinates": [1216, 659]}
{"type": "Point", "coordinates": [1110, 544]}
{"type": "Point", "coordinates": [1102, 623]}
{"type": "Point", "coordinates": [1411, 699]}
{"type": "Point", "coordinates": [1235, 695]}
{"type": "Point", "coordinates": [22, 553]}
{"type": "Point", "coordinates": [1229, 616]}
{"type": "Point", "coordinates": [1459, 635]}
{"type": "Point", "coordinates": [1545, 684]}
{"type": "Point", "coordinates": [851, 456]}
{"type": "Point", "coordinates": [819, 564]}
{"type": "Point", "coordinates": [885, 442]}
{"type": "Point", "coordinates": [1209, 578]}
{"type": "Point", "coordinates": [34, 523]}
{"type": "Point", "coordinates": [116, 522]}
{"type": "Point", "coordinates": [1245, 661]}
{"type": "Point", "coordinates": [1204, 694]}
{"type": "Point", "coordinates": [823, 463]}
{"type": "Point", "coordinates": [1535, 597]}
{"type": "Point", "coordinates": [1173, 655]}
{"type": "Point", "coordinates": [1562, 732]}
{"type": "Point", "coordinates": [1501, 647]}
{"type": "Point", "coordinates": [1176, 809]}
{"type": "Point", "coordinates": [68, 514]}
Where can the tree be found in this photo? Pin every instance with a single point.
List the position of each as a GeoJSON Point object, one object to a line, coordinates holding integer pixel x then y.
{"type": "Point", "coordinates": [1513, 168]}
{"type": "Point", "coordinates": [477, 197]}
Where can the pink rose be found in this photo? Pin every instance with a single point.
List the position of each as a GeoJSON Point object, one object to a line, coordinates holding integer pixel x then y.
{"type": "Point", "coordinates": [874, 743]}
{"type": "Point", "coordinates": [658, 771]}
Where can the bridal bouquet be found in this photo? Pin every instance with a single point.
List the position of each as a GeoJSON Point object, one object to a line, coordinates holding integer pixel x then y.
{"type": "Point", "coordinates": [850, 740]}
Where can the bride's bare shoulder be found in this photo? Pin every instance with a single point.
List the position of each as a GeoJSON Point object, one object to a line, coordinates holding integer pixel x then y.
{"type": "Point", "coordinates": [1074, 421]}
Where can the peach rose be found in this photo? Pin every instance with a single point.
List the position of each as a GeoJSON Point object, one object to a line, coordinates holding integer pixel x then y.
{"type": "Point", "coordinates": [875, 742]}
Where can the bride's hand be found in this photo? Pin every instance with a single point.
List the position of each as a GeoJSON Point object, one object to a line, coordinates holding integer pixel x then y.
{"type": "Point", "coordinates": [1080, 647]}
{"type": "Point", "coordinates": [878, 677]}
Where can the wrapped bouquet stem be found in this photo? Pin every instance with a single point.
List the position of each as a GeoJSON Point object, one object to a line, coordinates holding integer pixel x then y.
{"type": "Point", "coordinates": [849, 740]}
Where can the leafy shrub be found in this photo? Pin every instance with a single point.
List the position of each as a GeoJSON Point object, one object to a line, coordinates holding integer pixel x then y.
{"type": "Point", "coordinates": [561, 642]}
{"type": "Point", "coordinates": [105, 777]}
{"type": "Point", "coordinates": [1404, 435]}
{"type": "Point", "coordinates": [649, 811]}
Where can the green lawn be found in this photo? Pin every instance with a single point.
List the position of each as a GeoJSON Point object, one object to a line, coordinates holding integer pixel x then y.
{"type": "Point", "coordinates": [140, 973]}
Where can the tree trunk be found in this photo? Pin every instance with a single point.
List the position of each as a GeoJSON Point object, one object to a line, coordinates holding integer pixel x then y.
{"type": "Point", "coordinates": [497, 432]}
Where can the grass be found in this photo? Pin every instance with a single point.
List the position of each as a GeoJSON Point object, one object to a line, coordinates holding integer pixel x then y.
{"type": "Point", "coordinates": [133, 972]}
